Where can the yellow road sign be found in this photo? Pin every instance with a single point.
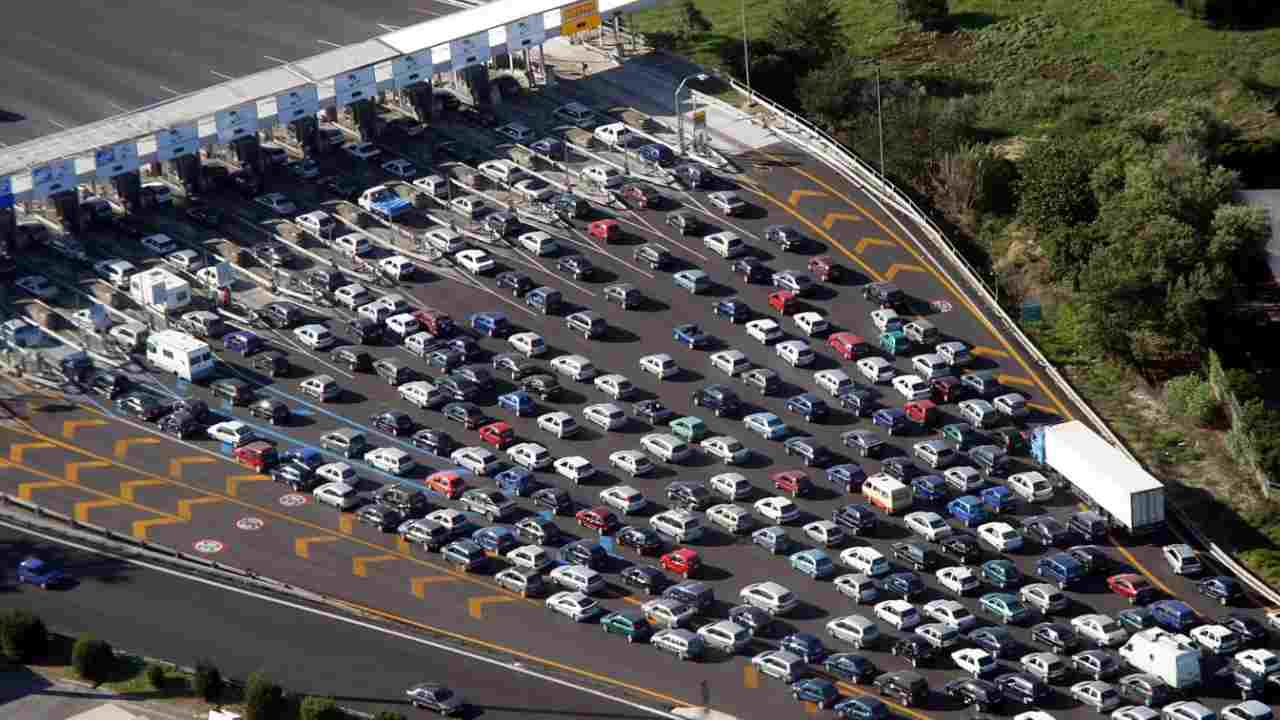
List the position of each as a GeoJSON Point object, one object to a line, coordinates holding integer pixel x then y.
{"type": "Point", "coordinates": [579, 17]}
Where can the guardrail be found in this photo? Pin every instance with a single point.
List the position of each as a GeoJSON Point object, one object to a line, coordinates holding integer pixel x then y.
{"type": "Point", "coordinates": [814, 140]}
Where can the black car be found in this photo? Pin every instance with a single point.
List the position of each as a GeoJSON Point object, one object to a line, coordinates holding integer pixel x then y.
{"type": "Point", "coordinates": [900, 468]}
{"type": "Point", "coordinates": [343, 187]}
{"type": "Point", "coordinates": [272, 410]}
{"type": "Point", "coordinates": [906, 687]}
{"type": "Point", "coordinates": [325, 280]}
{"type": "Point", "coordinates": [1019, 687]}
{"type": "Point", "coordinates": [554, 499]}
{"type": "Point", "coordinates": [142, 406]}
{"type": "Point", "coordinates": [541, 386]}
{"type": "Point", "coordinates": [281, 315]}
{"type": "Point", "coordinates": [655, 256]}
{"type": "Point", "coordinates": [516, 367]}
{"type": "Point", "coordinates": [1096, 664]}
{"type": "Point", "coordinates": [641, 539]}
{"type": "Point", "coordinates": [537, 530]}
{"type": "Point", "coordinates": [765, 380]}
{"type": "Point", "coordinates": [271, 362]}
{"type": "Point", "coordinates": [886, 295]}
{"type": "Point", "coordinates": [720, 399]}
{"type": "Point", "coordinates": [365, 331]}
{"type": "Point", "coordinates": [859, 401]}
{"type": "Point", "coordinates": [735, 309]}
{"type": "Point", "coordinates": [1089, 525]}
{"type": "Point", "coordinates": [982, 694]}
{"type": "Point", "coordinates": [108, 384]}
{"type": "Point", "coordinates": [355, 359]}
{"type": "Point", "coordinates": [785, 237]}
{"type": "Point", "coordinates": [916, 555]}
{"type": "Point", "coordinates": [517, 282]}
{"type": "Point", "coordinates": [469, 415]}
{"type": "Point", "coordinates": [688, 495]}
{"type": "Point", "coordinates": [996, 640]}
{"type": "Point", "coordinates": [436, 442]}
{"type": "Point", "coordinates": [296, 477]}
{"type": "Point", "coordinates": [653, 412]}
{"type": "Point", "coordinates": [751, 270]}
{"type": "Point", "coordinates": [585, 552]}
{"type": "Point", "coordinates": [385, 518]}
{"type": "Point", "coordinates": [130, 227]}
{"type": "Point", "coordinates": [392, 422]}
{"type": "Point", "coordinates": [458, 388]}
{"type": "Point", "coordinates": [905, 584]}
{"type": "Point", "coordinates": [850, 667]}
{"type": "Point", "coordinates": [684, 221]}
{"type": "Point", "coordinates": [1058, 637]}
{"type": "Point", "coordinates": [1148, 690]}
{"type": "Point", "coordinates": [1047, 530]}
{"type": "Point", "coordinates": [751, 617]}
{"type": "Point", "coordinates": [915, 650]}
{"type": "Point", "coordinates": [577, 266]}
{"type": "Point", "coordinates": [445, 359]}
{"type": "Point", "coordinates": [857, 519]}
{"type": "Point", "coordinates": [643, 577]}
{"type": "Point", "coordinates": [474, 374]}
{"type": "Point", "coordinates": [409, 502]}
{"type": "Point", "coordinates": [198, 409]}
{"type": "Point", "coordinates": [1224, 589]}
{"type": "Point", "coordinates": [273, 254]}
{"type": "Point", "coordinates": [962, 546]}
{"type": "Point", "coordinates": [1249, 631]}
{"type": "Point", "coordinates": [180, 423]}
{"type": "Point", "coordinates": [1095, 560]}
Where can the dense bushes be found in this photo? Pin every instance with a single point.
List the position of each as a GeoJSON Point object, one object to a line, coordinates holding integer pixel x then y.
{"type": "Point", "coordinates": [264, 699]}
{"type": "Point", "coordinates": [1191, 398]}
{"type": "Point", "coordinates": [207, 682]}
{"type": "Point", "coordinates": [320, 708]}
{"type": "Point", "coordinates": [93, 659]}
{"type": "Point", "coordinates": [23, 636]}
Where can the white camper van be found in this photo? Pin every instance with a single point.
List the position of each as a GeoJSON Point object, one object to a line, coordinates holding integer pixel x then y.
{"type": "Point", "coordinates": [180, 354]}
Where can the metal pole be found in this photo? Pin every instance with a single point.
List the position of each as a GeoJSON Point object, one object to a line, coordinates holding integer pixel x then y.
{"type": "Point", "coordinates": [675, 107]}
{"type": "Point", "coordinates": [880, 119]}
{"type": "Point", "coordinates": [746, 53]}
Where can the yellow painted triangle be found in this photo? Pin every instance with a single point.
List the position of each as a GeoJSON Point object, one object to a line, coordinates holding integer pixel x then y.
{"type": "Point", "coordinates": [302, 545]}
{"type": "Point", "coordinates": [475, 605]}
{"type": "Point", "coordinates": [177, 465]}
{"type": "Point", "coordinates": [866, 242]}
{"type": "Point", "coordinates": [82, 508]}
{"type": "Point", "coordinates": [129, 487]}
{"type": "Point", "coordinates": [833, 218]}
{"type": "Point", "coordinates": [796, 195]}
{"type": "Point", "coordinates": [70, 427]}
{"type": "Point", "coordinates": [140, 527]}
{"type": "Point", "coordinates": [896, 268]}
{"type": "Point", "coordinates": [71, 471]}
{"type": "Point", "coordinates": [184, 506]}
{"type": "Point", "coordinates": [123, 445]}
{"type": "Point", "coordinates": [25, 489]}
{"type": "Point", "coordinates": [360, 565]}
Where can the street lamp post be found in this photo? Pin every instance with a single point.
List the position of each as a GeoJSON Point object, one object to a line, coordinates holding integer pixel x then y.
{"type": "Point", "coordinates": [879, 108]}
{"type": "Point", "coordinates": [746, 52]}
{"type": "Point", "coordinates": [676, 106]}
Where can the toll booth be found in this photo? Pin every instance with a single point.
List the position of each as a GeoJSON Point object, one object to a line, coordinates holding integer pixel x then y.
{"type": "Point", "coordinates": [364, 117]}
{"type": "Point", "coordinates": [476, 78]}
{"type": "Point", "coordinates": [8, 240]}
{"type": "Point", "coordinates": [128, 187]}
{"type": "Point", "coordinates": [420, 98]}
{"type": "Point", "coordinates": [305, 132]}
{"type": "Point", "coordinates": [65, 206]}
{"type": "Point", "coordinates": [248, 152]}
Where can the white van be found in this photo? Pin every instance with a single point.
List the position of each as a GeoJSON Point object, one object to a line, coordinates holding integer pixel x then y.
{"type": "Point", "coordinates": [422, 393]}
{"type": "Point", "coordinates": [353, 244]}
{"type": "Point", "coordinates": [180, 354]}
{"type": "Point", "coordinates": [725, 244]}
{"type": "Point", "coordinates": [679, 525]}
{"type": "Point", "coordinates": [318, 223]}
{"type": "Point", "coordinates": [604, 175]}
{"type": "Point", "coordinates": [887, 493]}
{"type": "Point", "coordinates": [614, 134]}
{"type": "Point", "coordinates": [403, 325]}
{"type": "Point", "coordinates": [833, 381]}
{"type": "Point", "coordinates": [315, 336]}
{"type": "Point", "coordinates": [930, 366]}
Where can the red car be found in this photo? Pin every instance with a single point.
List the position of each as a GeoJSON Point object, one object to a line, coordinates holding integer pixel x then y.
{"type": "Point", "coordinates": [793, 482]}
{"type": "Point", "coordinates": [682, 561]}
{"type": "Point", "coordinates": [824, 268]}
{"type": "Point", "coordinates": [784, 301]}
{"type": "Point", "coordinates": [848, 345]}
{"type": "Point", "coordinates": [597, 518]}
{"type": "Point", "coordinates": [1131, 586]}
{"type": "Point", "coordinates": [921, 412]}
{"type": "Point", "coordinates": [606, 230]}
{"type": "Point", "coordinates": [947, 389]}
{"type": "Point", "coordinates": [446, 483]}
{"type": "Point", "coordinates": [437, 322]}
{"type": "Point", "coordinates": [498, 434]}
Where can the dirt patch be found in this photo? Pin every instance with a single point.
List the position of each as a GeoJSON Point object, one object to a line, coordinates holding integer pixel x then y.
{"type": "Point", "coordinates": [1056, 71]}
{"type": "Point", "coordinates": [930, 47]}
{"type": "Point", "coordinates": [1076, 71]}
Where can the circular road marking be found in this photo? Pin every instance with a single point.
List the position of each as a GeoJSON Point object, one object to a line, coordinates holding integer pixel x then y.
{"type": "Point", "coordinates": [208, 547]}
{"type": "Point", "coordinates": [250, 523]}
{"type": "Point", "coordinates": [940, 306]}
{"type": "Point", "coordinates": [293, 500]}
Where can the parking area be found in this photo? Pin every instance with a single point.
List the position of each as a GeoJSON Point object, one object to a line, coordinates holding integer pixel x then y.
{"type": "Point", "coordinates": [186, 495]}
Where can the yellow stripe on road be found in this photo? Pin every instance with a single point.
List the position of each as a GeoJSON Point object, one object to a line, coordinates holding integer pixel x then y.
{"type": "Point", "coordinates": [25, 489]}
{"type": "Point", "coordinates": [234, 481]}
{"type": "Point", "coordinates": [896, 268]}
{"type": "Point", "coordinates": [129, 487]}
{"type": "Point", "coordinates": [71, 470]}
{"type": "Point", "coordinates": [750, 677]}
{"type": "Point", "coordinates": [178, 465]}
{"type": "Point", "coordinates": [83, 508]}
{"type": "Point", "coordinates": [418, 585]}
{"type": "Point", "coordinates": [360, 565]}
{"type": "Point", "coordinates": [475, 605]}
{"type": "Point", "coordinates": [122, 446]}
{"type": "Point", "coordinates": [71, 427]}
{"type": "Point", "coordinates": [17, 450]}
{"type": "Point", "coordinates": [302, 545]}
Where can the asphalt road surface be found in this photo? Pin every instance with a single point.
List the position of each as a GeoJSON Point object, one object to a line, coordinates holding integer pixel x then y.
{"type": "Point", "coordinates": [81, 459]}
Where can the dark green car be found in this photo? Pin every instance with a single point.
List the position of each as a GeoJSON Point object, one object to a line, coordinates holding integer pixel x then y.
{"type": "Point", "coordinates": [629, 624]}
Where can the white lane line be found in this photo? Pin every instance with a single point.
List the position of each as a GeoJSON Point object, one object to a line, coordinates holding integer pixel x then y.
{"type": "Point", "coordinates": [506, 664]}
{"type": "Point", "coordinates": [719, 217]}
{"type": "Point", "coordinates": [330, 44]}
{"type": "Point", "coordinates": [388, 28]}
{"type": "Point", "coordinates": [429, 13]}
{"type": "Point", "coordinates": [224, 76]}
{"type": "Point", "coordinates": [169, 90]}
{"type": "Point", "coordinates": [585, 241]}
{"type": "Point", "coordinates": [276, 59]}
{"type": "Point", "coordinates": [55, 122]}
{"type": "Point", "coordinates": [118, 106]}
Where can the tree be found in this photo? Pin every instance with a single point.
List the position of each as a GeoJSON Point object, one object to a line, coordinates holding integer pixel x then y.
{"type": "Point", "coordinates": [92, 659]}
{"type": "Point", "coordinates": [208, 683]}
{"type": "Point", "coordinates": [836, 92]}
{"type": "Point", "coordinates": [809, 31]}
{"type": "Point", "coordinates": [320, 708]}
{"type": "Point", "coordinates": [692, 21]}
{"type": "Point", "coordinates": [929, 13]}
{"type": "Point", "coordinates": [155, 676]}
{"type": "Point", "coordinates": [23, 636]}
{"type": "Point", "coordinates": [263, 698]}
{"type": "Point", "coordinates": [1053, 190]}
{"type": "Point", "coordinates": [1190, 397]}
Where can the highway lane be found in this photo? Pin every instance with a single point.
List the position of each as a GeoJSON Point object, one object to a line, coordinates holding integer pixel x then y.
{"type": "Point", "coordinates": [163, 616]}
{"type": "Point", "coordinates": [73, 62]}
{"type": "Point", "coordinates": [387, 583]}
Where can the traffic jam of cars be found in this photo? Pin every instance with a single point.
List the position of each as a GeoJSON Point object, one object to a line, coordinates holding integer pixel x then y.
{"type": "Point", "coordinates": [656, 390]}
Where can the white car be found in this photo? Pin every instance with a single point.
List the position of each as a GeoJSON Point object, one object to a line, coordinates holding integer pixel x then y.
{"type": "Point", "coordinates": [660, 365]}
{"type": "Point", "coordinates": [665, 447]}
{"type": "Point", "coordinates": [530, 344]}
{"type": "Point", "coordinates": [875, 369]}
{"type": "Point", "coordinates": [633, 462]}
{"type": "Point", "coordinates": [795, 353]}
{"type": "Point", "coordinates": [400, 167]}
{"type": "Point", "coordinates": [531, 557]}
{"type": "Point", "coordinates": [769, 596]}
{"type": "Point", "coordinates": [1259, 661]}
{"type": "Point", "coordinates": [886, 319]}
{"type": "Point", "coordinates": [232, 432]}
{"type": "Point", "coordinates": [825, 533]}
{"type": "Point", "coordinates": [534, 189]}
{"type": "Point", "coordinates": [958, 579]}
{"type": "Point", "coordinates": [1104, 631]}
{"type": "Point", "coordinates": [975, 661]}
{"type": "Point", "coordinates": [338, 472]}
{"type": "Point", "coordinates": [624, 498]}
{"type": "Point", "coordinates": [833, 382]}
{"type": "Point", "coordinates": [445, 240]}
{"type": "Point", "coordinates": [558, 423]}
{"type": "Point", "coordinates": [390, 460]}
{"type": "Point", "coordinates": [475, 261]}
{"type": "Point", "coordinates": [866, 560]}
{"type": "Point", "coordinates": [731, 518]}
{"type": "Point", "coordinates": [603, 175]}
{"type": "Point", "coordinates": [765, 330]}
{"type": "Point", "coordinates": [1138, 712]}
{"type": "Point", "coordinates": [726, 449]}
{"type": "Point", "coordinates": [1215, 639]}
{"type": "Point", "coordinates": [667, 612]}
{"type": "Point", "coordinates": [188, 260]}
{"type": "Point", "coordinates": [39, 286]}
{"type": "Point", "coordinates": [912, 387]}
{"type": "Point", "coordinates": [115, 270]}
{"type": "Point", "coordinates": [476, 459]}
{"type": "Point", "coordinates": [777, 510]}
{"type": "Point", "coordinates": [573, 605]}
{"type": "Point", "coordinates": [1101, 696]}
{"type": "Point", "coordinates": [730, 362]}
{"type": "Point", "coordinates": [529, 455]}
{"type": "Point", "coordinates": [575, 468]}
{"type": "Point", "coordinates": [1031, 486]}
{"type": "Point", "coordinates": [732, 486]}
{"type": "Point", "coordinates": [727, 201]}
{"type": "Point", "coordinates": [160, 244]}
{"type": "Point", "coordinates": [539, 243]}
{"type": "Point", "coordinates": [337, 495]}
{"type": "Point", "coordinates": [1001, 536]}
{"type": "Point", "coordinates": [963, 478]}
{"type": "Point", "coordinates": [857, 587]}
{"type": "Point", "coordinates": [898, 614]}
{"type": "Point", "coordinates": [615, 386]}
{"type": "Point", "coordinates": [605, 415]}
{"type": "Point", "coordinates": [779, 664]}
{"type": "Point", "coordinates": [574, 367]}
{"type": "Point", "coordinates": [362, 150]}
{"type": "Point", "coordinates": [951, 613]}
{"type": "Point", "coordinates": [811, 323]}
{"type": "Point", "coordinates": [277, 203]}
{"type": "Point", "coordinates": [397, 267]}
{"type": "Point", "coordinates": [927, 524]}
{"type": "Point", "coordinates": [452, 519]}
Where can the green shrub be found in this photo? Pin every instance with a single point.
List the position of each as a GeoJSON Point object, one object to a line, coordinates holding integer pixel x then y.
{"type": "Point", "coordinates": [92, 659]}
{"type": "Point", "coordinates": [207, 683]}
{"type": "Point", "coordinates": [155, 676]}
{"type": "Point", "coordinates": [1191, 398]}
{"type": "Point", "coordinates": [320, 708]}
{"type": "Point", "coordinates": [263, 698]}
{"type": "Point", "coordinates": [23, 636]}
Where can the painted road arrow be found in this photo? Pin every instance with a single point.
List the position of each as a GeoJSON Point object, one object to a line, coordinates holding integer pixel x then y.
{"type": "Point", "coordinates": [360, 564]}
{"type": "Point", "coordinates": [17, 450]}
{"type": "Point", "coordinates": [302, 545]}
{"type": "Point", "coordinates": [418, 585]}
{"type": "Point", "coordinates": [70, 427]}
{"type": "Point", "coordinates": [867, 241]}
{"type": "Point", "coordinates": [122, 446]}
{"type": "Point", "coordinates": [833, 218]}
{"type": "Point", "coordinates": [83, 508]}
{"type": "Point", "coordinates": [233, 481]}
{"type": "Point", "coordinates": [1014, 380]}
{"type": "Point", "coordinates": [25, 489]}
{"type": "Point", "coordinates": [794, 198]}
{"type": "Point", "coordinates": [475, 605]}
{"type": "Point", "coordinates": [177, 465]}
{"type": "Point", "coordinates": [71, 471]}
{"type": "Point", "coordinates": [129, 487]}
{"type": "Point", "coordinates": [896, 268]}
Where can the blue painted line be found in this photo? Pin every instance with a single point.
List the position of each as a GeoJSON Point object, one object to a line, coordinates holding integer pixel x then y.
{"type": "Point", "coordinates": [606, 542]}
{"type": "Point", "coordinates": [341, 418]}
{"type": "Point", "coordinates": [301, 412]}
{"type": "Point", "coordinates": [548, 515]}
{"type": "Point", "coordinates": [226, 448]}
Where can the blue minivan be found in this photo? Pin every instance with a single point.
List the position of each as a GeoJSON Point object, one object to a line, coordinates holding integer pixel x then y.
{"type": "Point", "coordinates": [1173, 615]}
{"type": "Point", "coordinates": [968, 509]}
{"type": "Point", "coordinates": [1060, 569]}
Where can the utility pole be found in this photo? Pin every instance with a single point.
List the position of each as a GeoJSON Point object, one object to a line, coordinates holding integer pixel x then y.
{"type": "Point", "coordinates": [746, 54]}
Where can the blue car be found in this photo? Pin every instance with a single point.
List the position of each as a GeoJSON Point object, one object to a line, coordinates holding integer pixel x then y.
{"type": "Point", "coordinates": [766, 424]}
{"type": "Point", "coordinates": [998, 499]}
{"type": "Point", "coordinates": [969, 510]}
{"type": "Point", "coordinates": [1173, 615]}
{"type": "Point", "coordinates": [690, 335]}
{"type": "Point", "coordinates": [893, 420]}
{"type": "Point", "coordinates": [490, 324]}
{"type": "Point", "coordinates": [516, 481]}
{"type": "Point", "coordinates": [808, 647]}
{"type": "Point", "coordinates": [814, 563]}
{"type": "Point", "coordinates": [929, 488]}
{"type": "Point", "coordinates": [495, 538]}
{"type": "Point", "coordinates": [819, 691]}
{"type": "Point", "coordinates": [657, 154]}
{"type": "Point", "coordinates": [862, 708]}
{"type": "Point", "coordinates": [518, 402]}
{"type": "Point", "coordinates": [243, 342]}
{"type": "Point", "coordinates": [905, 584]}
{"type": "Point", "coordinates": [734, 309]}
{"type": "Point", "coordinates": [808, 406]}
{"type": "Point", "coordinates": [35, 571]}
{"type": "Point", "coordinates": [847, 477]}
{"type": "Point", "coordinates": [309, 458]}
